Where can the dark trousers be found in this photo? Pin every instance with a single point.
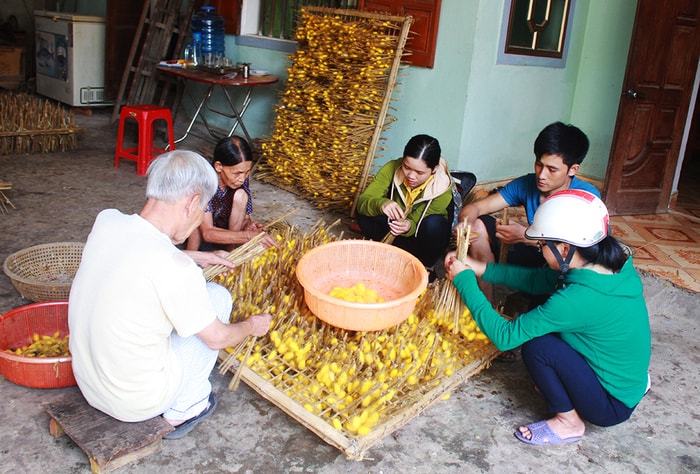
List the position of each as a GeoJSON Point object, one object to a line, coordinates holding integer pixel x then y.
{"type": "Point", "coordinates": [567, 382]}
{"type": "Point", "coordinates": [428, 246]}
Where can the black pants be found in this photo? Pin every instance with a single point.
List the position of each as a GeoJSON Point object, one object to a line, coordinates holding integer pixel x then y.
{"type": "Point", "coordinates": [428, 246]}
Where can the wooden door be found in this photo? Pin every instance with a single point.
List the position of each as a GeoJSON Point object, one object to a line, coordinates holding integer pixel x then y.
{"type": "Point", "coordinates": [654, 105]}
{"type": "Point", "coordinates": [121, 22]}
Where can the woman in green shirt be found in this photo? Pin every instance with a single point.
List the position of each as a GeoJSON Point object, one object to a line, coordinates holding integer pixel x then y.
{"type": "Point", "coordinates": [587, 348]}
{"type": "Point", "coordinates": [411, 199]}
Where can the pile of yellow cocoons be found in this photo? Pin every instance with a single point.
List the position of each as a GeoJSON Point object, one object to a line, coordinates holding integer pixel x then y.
{"type": "Point", "coordinates": [358, 293]}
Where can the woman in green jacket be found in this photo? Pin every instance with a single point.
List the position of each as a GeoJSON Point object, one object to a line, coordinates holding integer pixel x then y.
{"type": "Point", "coordinates": [411, 198]}
{"type": "Point", "coordinates": [587, 348]}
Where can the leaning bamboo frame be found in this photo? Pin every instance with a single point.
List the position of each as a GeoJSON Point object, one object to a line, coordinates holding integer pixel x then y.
{"type": "Point", "coordinates": [378, 120]}
{"type": "Point", "coordinates": [406, 23]}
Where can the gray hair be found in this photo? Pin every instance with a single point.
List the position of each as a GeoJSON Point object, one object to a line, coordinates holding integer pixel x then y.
{"type": "Point", "coordinates": [181, 173]}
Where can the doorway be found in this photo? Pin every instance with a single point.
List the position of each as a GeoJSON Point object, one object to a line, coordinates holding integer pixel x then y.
{"type": "Point", "coordinates": [687, 199]}
{"type": "Point", "coordinates": [654, 105]}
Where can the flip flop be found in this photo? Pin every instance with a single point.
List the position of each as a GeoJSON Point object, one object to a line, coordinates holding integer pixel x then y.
{"type": "Point", "coordinates": [510, 356]}
{"type": "Point", "coordinates": [542, 435]}
{"type": "Point", "coordinates": [181, 430]}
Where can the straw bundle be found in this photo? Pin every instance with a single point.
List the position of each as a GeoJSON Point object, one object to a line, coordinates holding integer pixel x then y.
{"type": "Point", "coordinates": [334, 109]}
{"type": "Point", "coordinates": [450, 302]}
{"type": "Point", "coordinates": [29, 124]}
{"type": "Point", "coordinates": [247, 251]}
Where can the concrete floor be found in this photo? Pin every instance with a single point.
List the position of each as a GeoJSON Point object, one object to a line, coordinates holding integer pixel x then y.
{"type": "Point", "coordinates": [57, 197]}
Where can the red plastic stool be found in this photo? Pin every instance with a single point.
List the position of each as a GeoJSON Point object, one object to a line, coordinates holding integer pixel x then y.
{"type": "Point", "coordinates": [145, 152]}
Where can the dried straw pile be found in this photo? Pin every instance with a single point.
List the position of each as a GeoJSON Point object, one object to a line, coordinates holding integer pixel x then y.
{"type": "Point", "coordinates": [334, 109]}
{"type": "Point", "coordinates": [29, 124]}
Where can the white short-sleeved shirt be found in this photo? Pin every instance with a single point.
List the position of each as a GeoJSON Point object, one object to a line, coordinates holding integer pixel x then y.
{"type": "Point", "coordinates": [132, 289]}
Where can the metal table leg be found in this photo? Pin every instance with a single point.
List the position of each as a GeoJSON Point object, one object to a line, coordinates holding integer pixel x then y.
{"type": "Point", "coordinates": [198, 111]}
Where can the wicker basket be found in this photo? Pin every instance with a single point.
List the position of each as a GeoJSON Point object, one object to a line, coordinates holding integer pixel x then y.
{"type": "Point", "coordinates": [397, 276]}
{"type": "Point", "coordinates": [44, 272]}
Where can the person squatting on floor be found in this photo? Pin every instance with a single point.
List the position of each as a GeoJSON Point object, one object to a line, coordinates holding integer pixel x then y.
{"type": "Point", "coordinates": [588, 347]}
{"type": "Point", "coordinates": [145, 326]}
{"type": "Point", "coordinates": [411, 198]}
{"type": "Point", "coordinates": [559, 151]}
{"type": "Point", "coordinates": [227, 220]}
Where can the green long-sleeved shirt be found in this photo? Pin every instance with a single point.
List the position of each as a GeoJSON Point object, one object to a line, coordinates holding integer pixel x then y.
{"type": "Point", "coordinates": [603, 317]}
{"type": "Point", "coordinates": [388, 185]}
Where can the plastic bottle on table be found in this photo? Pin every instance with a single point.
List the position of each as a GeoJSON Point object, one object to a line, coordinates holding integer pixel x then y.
{"type": "Point", "coordinates": [211, 27]}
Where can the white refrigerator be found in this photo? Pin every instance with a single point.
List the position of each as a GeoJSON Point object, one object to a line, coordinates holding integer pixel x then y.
{"type": "Point", "coordinates": [70, 52]}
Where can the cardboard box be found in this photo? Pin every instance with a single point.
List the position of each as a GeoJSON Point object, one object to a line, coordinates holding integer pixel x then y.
{"type": "Point", "coordinates": [11, 66]}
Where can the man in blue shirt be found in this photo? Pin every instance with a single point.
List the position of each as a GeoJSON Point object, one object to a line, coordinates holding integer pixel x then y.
{"type": "Point", "coordinates": [559, 150]}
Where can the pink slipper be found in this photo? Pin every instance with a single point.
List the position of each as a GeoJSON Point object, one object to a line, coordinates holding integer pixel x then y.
{"type": "Point", "coordinates": [542, 435]}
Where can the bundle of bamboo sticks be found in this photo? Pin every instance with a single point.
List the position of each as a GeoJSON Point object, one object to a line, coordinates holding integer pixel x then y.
{"type": "Point", "coordinates": [246, 252]}
{"type": "Point", "coordinates": [29, 124]}
{"type": "Point", "coordinates": [450, 302]}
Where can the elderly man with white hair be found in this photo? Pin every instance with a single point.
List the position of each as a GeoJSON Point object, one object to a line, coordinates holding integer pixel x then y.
{"type": "Point", "coordinates": [145, 326]}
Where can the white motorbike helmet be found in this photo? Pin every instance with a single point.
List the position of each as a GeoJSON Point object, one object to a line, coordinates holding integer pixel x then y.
{"type": "Point", "coordinates": [573, 216]}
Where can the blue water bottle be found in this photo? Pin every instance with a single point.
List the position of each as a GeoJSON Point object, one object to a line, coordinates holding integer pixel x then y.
{"type": "Point", "coordinates": [211, 26]}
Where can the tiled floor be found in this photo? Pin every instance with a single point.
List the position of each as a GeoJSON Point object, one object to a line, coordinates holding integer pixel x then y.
{"type": "Point", "coordinates": [668, 245]}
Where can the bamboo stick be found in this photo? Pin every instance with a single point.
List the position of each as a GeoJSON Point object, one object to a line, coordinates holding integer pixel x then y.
{"type": "Point", "coordinates": [233, 385]}
{"type": "Point", "coordinates": [503, 254]}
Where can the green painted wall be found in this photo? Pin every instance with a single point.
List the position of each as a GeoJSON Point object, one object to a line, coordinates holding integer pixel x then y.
{"type": "Point", "coordinates": [487, 115]}
{"type": "Point", "coordinates": [601, 69]}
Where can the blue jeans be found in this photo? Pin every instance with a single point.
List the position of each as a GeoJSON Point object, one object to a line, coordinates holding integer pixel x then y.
{"type": "Point", "coordinates": [567, 382]}
{"type": "Point", "coordinates": [428, 246]}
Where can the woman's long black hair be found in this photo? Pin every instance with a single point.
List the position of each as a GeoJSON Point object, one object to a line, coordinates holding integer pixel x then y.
{"type": "Point", "coordinates": [608, 252]}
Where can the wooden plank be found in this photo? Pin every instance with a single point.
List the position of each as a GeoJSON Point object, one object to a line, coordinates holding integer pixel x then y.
{"type": "Point", "coordinates": [108, 442]}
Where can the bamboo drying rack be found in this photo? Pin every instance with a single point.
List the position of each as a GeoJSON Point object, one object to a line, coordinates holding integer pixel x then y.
{"type": "Point", "coordinates": [335, 107]}
{"type": "Point", "coordinates": [268, 284]}
{"type": "Point", "coordinates": [354, 448]}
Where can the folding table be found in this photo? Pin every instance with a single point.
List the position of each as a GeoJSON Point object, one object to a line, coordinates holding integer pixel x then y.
{"type": "Point", "coordinates": [212, 82]}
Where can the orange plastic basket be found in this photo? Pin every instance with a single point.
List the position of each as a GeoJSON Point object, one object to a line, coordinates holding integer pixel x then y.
{"type": "Point", "coordinates": [397, 276]}
{"type": "Point", "coordinates": [16, 330]}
